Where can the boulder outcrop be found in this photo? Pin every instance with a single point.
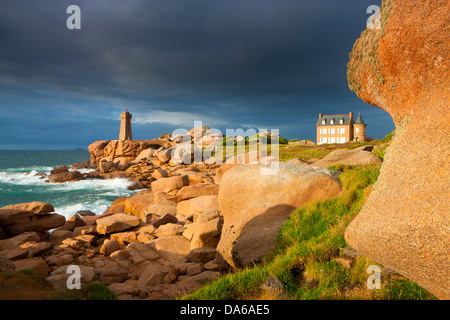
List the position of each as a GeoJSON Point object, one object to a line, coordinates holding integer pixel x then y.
{"type": "Point", "coordinates": [197, 190]}
{"type": "Point", "coordinates": [35, 206]}
{"type": "Point", "coordinates": [348, 157]}
{"type": "Point", "coordinates": [116, 223]}
{"type": "Point", "coordinates": [16, 222]}
{"type": "Point", "coordinates": [62, 174]}
{"type": "Point", "coordinates": [403, 68]}
{"type": "Point", "coordinates": [255, 206]}
{"type": "Point", "coordinates": [137, 258]}
{"type": "Point", "coordinates": [127, 150]}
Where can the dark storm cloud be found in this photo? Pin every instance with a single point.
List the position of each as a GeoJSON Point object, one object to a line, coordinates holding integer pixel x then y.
{"type": "Point", "coordinates": [235, 63]}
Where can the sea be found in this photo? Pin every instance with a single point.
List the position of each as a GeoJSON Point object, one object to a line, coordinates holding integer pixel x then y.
{"type": "Point", "coordinates": [20, 182]}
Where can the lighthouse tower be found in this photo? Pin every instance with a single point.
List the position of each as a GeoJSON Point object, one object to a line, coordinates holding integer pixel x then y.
{"type": "Point", "coordinates": [125, 126]}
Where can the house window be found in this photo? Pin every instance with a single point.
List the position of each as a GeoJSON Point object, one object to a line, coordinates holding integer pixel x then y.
{"type": "Point", "coordinates": [341, 130]}
{"type": "Point", "coordinates": [324, 140]}
{"type": "Point", "coordinates": [357, 130]}
{"type": "Point", "coordinates": [323, 121]}
{"type": "Point", "coordinates": [332, 121]}
{"type": "Point", "coordinates": [341, 121]}
{"type": "Point", "coordinates": [332, 131]}
{"type": "Point", "coordinates": [341, 139]}
{"type": "Point", "coordinates": [332, 140]}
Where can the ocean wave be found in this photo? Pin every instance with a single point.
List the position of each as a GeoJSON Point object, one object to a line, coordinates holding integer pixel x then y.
{"type": "Point", "coordinates": [118, 184]}
{"type": "Point", "coordinates": [98, 207]}
{"type": "Point", "coordinates": [21, 178]}
{"type": "Point", "coordinates": [68, 197]}
{"type": "Point", "coordinates": [45, 169]}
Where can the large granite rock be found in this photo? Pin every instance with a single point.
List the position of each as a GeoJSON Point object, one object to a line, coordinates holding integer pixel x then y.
{"type": "Point", "coordinates": [403, 68]}
{"type": "Point", "coordinates": [116, 223]}
{"type": "Point", "coordinates": [66, 177]}
{"type": "Point", "coordinates": [197, 190]}
{"type": "Point", "coordinates": [255, 206]}
{"type": "Point", "coordinates": [170, 183]}
{"type": "Point", "coordinates": [126, 151]}
{"type": "Point", "coordinates": [35, 206]}
{"type": "Point", "coordinates": [14, 221]}
{"type": "Point", "coordinates": [348, 157]}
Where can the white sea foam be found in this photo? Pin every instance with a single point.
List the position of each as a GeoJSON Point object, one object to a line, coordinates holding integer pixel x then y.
{"type": "Point", "coordinates": [20, 178]}
{"type": "Point", "coordinates": [118, 184]}
{"type": "Point", "coordinates": [98, 207]}
{"type": "Point", "coordinates": [95, 195]}
{"type": "Point", "coordinates": [45, 169]}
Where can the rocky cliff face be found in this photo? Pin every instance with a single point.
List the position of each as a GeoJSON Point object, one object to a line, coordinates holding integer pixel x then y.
{"type": "Point", "coordinates": [121, 151]}
{"type": "Point", "coordinates": [404, 69]}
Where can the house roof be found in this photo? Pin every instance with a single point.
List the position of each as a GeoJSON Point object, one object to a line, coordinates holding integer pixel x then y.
{"type": "Point", "coordinates": [359, 120]}
{"type": "Point", "coordinates": [337, 117]}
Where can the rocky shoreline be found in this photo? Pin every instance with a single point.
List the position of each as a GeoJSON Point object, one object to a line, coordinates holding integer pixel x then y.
{"type": "Point", "coordinates": [190, 224]}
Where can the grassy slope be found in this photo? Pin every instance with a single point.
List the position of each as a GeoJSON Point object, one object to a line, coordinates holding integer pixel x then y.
{"type": "Point", "coordinates": [307, 153]}
{"type": "Point", "coordinates": [307, 259]}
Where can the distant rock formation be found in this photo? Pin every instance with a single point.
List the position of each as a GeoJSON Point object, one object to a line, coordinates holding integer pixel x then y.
{"type": "Point", "coordinates": [348, 157]}
{"type": "Point", "coordinates": [116, 151]}
{"type": "Point", "coordinates": [403, 68]}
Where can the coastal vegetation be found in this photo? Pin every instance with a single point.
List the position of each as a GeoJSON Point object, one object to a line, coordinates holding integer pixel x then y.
{"type": "Point", "coordinates": [309, 259]}
{"type": "Point", "coordinates": [167, 241]}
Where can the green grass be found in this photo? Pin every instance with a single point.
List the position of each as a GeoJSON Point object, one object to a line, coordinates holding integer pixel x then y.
{"type": "Point", "coordinates": [90, 291]}
{"type": "Point", "coordinates": [304, 152]}
{"type": "Point", "coordinates": [307, 153]}
{"type": "Point", "coordinates": [306, 258]}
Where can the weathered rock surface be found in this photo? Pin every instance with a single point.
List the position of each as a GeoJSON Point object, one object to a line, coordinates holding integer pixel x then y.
{"type": "Point", "coordinates": [139, 204]}
{"type": "Point", "coordinates": [16, 222]}
{"type": "Point", "coordinates": [348, 157]}
{"type": "Point", "coordinates": [255, 206]}
{"type": "Point", "coordinates": [404, 69]}
{"type": "Point", "coordinates": [171, 248]}
{"type": "Point", "coordinates": [116, 223]}
{"type": "Point", "coordinates": [221, 171]}
{"type": "Point", "coordinates": [170, 183]}
{"type": "Point", "coordinates": [66, 176]}
{"type": "Point", "coordinates": [38, 266]}
{"type": "Point", "coordinates": [14, 216]}
{"type": "Point", "coordinates": [35, 206]}
{"type": "Point", "coordinates": [107, 248]}
{"type": "Point", "coordinates": [128, 150]}
{"type": "Point", "coordinates": [14, 242]}
{"type": "Point", "coordinates": [205, 231]}
{"type": "Point", "coordinates": [198, 205]}
{"type": "Point", "coordinates": [196, 190]}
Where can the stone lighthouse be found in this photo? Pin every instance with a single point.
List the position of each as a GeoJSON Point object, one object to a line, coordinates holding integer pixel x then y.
{"type": "Point", "coordinates": [125, 126]}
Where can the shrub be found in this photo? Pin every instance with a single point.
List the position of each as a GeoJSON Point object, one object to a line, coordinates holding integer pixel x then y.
{"type": "Point", "coordinates": [90, 291]}
{"type": "Point", "coordinates": [388, 137]}
{"type": "Point", "coordinates": [283, 140]}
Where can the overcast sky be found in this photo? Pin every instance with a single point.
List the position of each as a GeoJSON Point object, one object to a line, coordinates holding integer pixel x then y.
{"type": "Point", "coordinates": [229, 63]}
